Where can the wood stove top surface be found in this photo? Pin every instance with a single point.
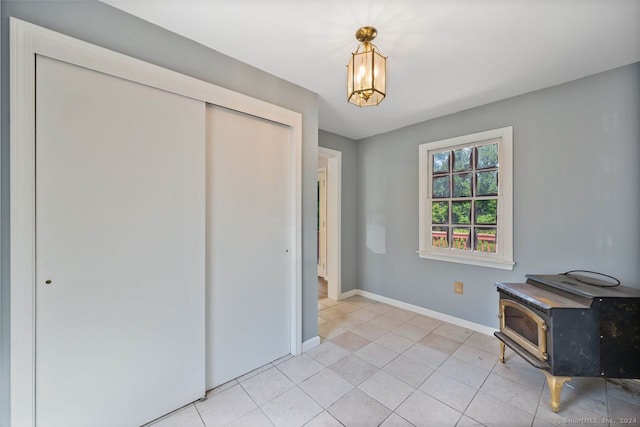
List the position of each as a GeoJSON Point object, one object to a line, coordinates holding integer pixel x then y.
{"type": "Point", "coordinates": [579, 285]}
{"type": "Point", "coordinates": [540, 297]}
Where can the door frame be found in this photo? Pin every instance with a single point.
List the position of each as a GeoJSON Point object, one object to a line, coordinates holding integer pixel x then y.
{"type": "Point", "coordinates": [334, 221]}
{"type": "Point", "coordinates": [322, 220]}
{"type": "Point", "coordinates": [28, 40]}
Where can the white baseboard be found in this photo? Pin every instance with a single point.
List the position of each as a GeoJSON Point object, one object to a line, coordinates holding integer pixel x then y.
{"type": "Point", "coordinates": [425, 311]}
{"type": "Point", "coordinates": [349, 294]}
{"type": "Point", "coordinates": [311, 343]}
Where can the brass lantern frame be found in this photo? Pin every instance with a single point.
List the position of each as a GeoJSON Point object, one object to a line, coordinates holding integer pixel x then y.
{"type": "Point", "coordinates": [366, 71]}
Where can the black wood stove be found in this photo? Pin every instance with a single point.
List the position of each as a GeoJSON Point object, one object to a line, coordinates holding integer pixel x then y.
{"type": "Point", "coordinates": [569, 327]}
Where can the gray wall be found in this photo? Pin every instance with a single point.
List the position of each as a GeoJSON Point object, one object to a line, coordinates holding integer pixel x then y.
{"type": "Point", "coordinates": [349, 276]}
{"type": "Point", "coordinates": [106, 26]}
{"type": "Point", "coordinates": [576, 194]}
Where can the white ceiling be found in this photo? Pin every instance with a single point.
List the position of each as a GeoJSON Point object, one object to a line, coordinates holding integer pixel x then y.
{"type": "Point", "coordinates": [444, 55]}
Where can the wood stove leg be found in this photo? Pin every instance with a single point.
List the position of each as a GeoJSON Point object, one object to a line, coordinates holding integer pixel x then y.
{"type": "Point", "coordinates": [502, 348]}
{"type": "Point", "coordinates": [555, 389]}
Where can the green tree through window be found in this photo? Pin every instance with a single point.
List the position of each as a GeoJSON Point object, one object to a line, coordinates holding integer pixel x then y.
{"type": "Point", "coordinates": [465, 182]}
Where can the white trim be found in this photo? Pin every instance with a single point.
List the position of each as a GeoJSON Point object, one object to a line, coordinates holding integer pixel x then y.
{"type": "Point", "coordinates": [27, 41]}
{"type": "Point", "coordinates": [426, 312]}
{"type": "Point", "coordinates": [503, 258]}
{"type": "Point", "coordinates": [22, 228]}
{"type": "Point", "coordinates": [310, 343]}
{"type": "Point", "coordinates": [322, 219]}
{"type": "Point", "coordinates": [349, 294]}
{"type": "Point", "coordinates": [471, 260]}
{"type": "Point", "coordinates": [334, 221]}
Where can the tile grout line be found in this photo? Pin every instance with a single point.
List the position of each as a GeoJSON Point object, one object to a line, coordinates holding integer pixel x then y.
{"type": "Point", "coordinates": [253, 400]}
{"type": "Point", "coordinates": [199, 414]}
{"type": "Point", "coordinates": [442, 373]}
{"type": "Point", "coordinates": [425, 380]}
{"type": "Point", "coordinates": [477, 390]}
{"type": "Point", "coordinates": [540, 396]}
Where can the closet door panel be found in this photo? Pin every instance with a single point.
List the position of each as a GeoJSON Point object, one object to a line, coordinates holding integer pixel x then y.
{"type": "Point", "coordinates": [119, 249]}
{"type": "Point", "coordinates": [248, 243]}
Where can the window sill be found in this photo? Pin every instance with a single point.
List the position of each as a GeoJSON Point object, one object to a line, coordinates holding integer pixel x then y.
{"type": "Point", "coordinates": [481, 262]}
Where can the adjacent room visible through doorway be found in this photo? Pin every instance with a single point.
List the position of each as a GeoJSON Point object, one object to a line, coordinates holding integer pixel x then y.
{"type": "Point", "coordinates": [329, 223]}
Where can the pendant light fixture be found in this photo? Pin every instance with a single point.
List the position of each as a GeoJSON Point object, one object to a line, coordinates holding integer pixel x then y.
{"type": "Point", "coordinates": [367, 71]}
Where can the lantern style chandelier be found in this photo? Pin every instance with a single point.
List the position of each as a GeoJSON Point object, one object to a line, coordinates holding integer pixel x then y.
{"type": "Point", "coordinates": [367, 71]}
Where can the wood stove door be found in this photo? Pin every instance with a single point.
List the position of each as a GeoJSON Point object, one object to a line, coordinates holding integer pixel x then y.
{"type": "Point", "coordinates": [525, 327]}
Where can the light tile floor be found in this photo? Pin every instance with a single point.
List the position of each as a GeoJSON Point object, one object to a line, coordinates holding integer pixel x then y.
{"type": "Point", "coordinates": [379, 365]}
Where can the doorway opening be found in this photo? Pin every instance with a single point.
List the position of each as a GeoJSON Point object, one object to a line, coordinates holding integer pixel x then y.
{"type": "Point", "coordinates": [329, 223]}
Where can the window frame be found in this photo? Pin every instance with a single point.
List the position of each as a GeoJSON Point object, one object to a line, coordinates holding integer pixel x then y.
{"type": "Point", "coordinates": [503, 257]}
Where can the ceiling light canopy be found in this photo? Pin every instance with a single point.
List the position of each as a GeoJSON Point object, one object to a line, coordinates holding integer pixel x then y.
{"type": "Point", "coordinates": [367, 71]}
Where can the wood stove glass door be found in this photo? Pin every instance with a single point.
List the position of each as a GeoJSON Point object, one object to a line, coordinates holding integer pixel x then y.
{"type": "Point", "coordinates": [525, 327]}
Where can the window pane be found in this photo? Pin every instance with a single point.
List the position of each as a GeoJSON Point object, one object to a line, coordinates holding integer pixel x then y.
{"type": "Point", "coordinates": [486, 211]}
{"type": "Point", "coordinates": [486, 239]}
{"type": "Point", "coordinates": [440, 237]}
{"type": "Point", "coordinates": [487, 183]}
{"type": "Point", "coordinates": [462, 159]}
{"type": "Point", "coordinates": [441, 162]}
{"type": "Point", "coordinates": [461, 212]}
{"type": "Point", "coordinates": [440, 212]}
{"type": "Point", "coordinates": [462, 185]}
{"type": "Point", "coordinates": [440, 187]}
{"type": "Point", "coordinates": [461, 238]}
{"type": "Point", "coordinates": [487, 156]}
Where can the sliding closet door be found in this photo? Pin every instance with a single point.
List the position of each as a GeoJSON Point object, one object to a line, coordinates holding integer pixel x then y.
{"type": "Point", "coordinates": [248, 243]}
{"type": "Point", "coordinates": [119, 249]}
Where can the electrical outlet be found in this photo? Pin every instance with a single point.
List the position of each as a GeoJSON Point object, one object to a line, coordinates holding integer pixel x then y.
{"type": "Point", "coordinates": [458, 287]}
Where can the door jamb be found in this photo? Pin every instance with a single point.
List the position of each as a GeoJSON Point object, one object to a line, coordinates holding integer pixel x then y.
{"type": "Point", "coordinates": [322, 217]}
{"type": "Point", "coordinates": [334, 221]}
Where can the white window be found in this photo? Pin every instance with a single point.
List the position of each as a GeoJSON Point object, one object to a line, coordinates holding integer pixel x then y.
{"type": "Point", "coordinates": [466, 199]}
